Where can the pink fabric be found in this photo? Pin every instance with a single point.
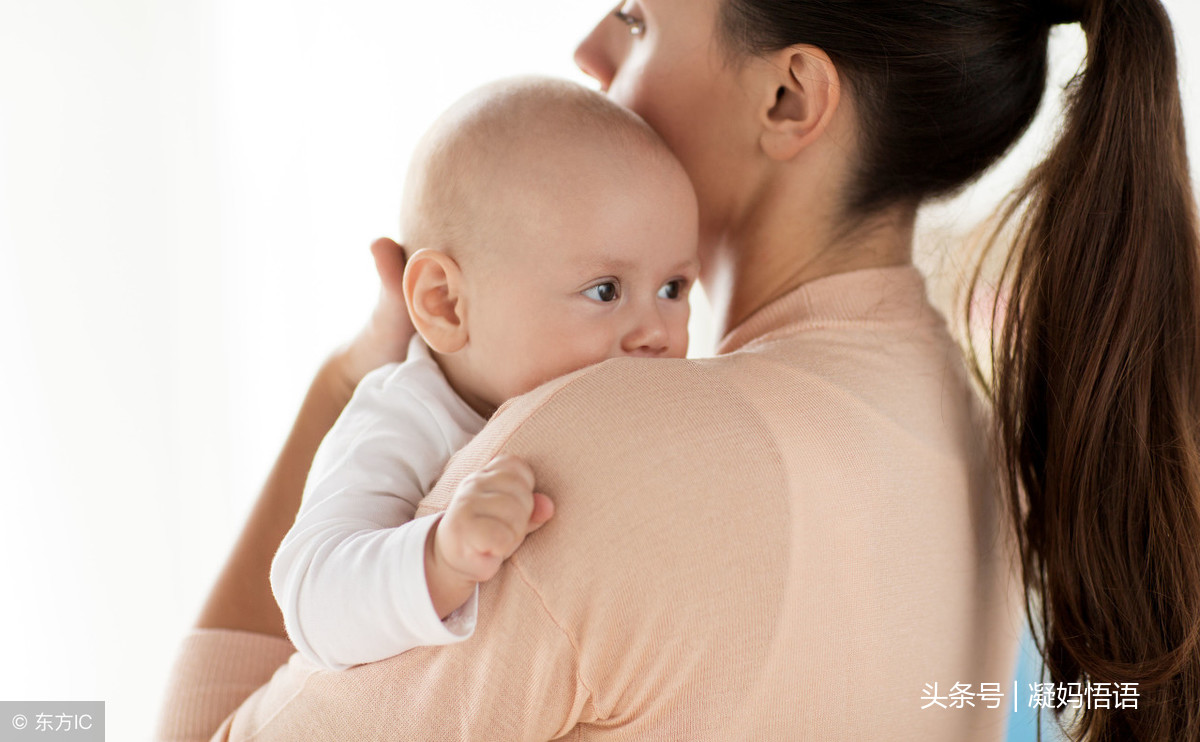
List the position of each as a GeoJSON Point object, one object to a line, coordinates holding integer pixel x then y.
{"type": "Point", "coordinates": [202, 693]}
{"type": "Point", "coordinates": [789, 541]}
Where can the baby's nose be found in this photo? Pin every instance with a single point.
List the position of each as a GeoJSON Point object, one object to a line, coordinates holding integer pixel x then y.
{"type": "Point", "coordinates": [649, 338]}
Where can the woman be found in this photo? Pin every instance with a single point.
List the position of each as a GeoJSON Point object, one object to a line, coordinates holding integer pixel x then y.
{"type": "Point", "coordinates": [798, 539]}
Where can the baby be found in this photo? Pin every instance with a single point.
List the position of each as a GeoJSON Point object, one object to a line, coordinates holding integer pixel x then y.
{"type": "Point", "coordinates": [547, 229]}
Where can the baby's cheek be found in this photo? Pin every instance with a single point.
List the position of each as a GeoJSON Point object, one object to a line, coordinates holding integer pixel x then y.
{"type": "Point", "coordinates": [533, 376]}
{"type": "Point", "coordinates": [679, 337]}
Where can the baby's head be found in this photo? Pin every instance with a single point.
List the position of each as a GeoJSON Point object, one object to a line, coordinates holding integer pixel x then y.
{"type": "Point", "coordinates": [547, 229]}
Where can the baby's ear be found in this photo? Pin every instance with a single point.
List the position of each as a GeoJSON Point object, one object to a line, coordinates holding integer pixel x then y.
{"type": "Point", "coordinates": [433, 292]}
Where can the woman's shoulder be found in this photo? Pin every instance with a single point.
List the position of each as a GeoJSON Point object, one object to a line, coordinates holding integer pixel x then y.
{"type": "Point", "coordinates": [632, 397]}
{"type": "Point", "coordinates": [616, 416]}
{"type": "Point", "coordinates": [621, 381]}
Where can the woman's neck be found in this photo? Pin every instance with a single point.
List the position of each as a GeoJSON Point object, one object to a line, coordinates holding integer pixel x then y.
{"type": "Point", "coordinates": [743, 271]}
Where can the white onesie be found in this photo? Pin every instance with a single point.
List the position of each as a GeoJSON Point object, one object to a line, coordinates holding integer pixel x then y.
{"type": "Point", "coordinates": [350, 574]}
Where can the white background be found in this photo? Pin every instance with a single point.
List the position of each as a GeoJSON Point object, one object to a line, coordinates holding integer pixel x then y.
{"type": "Point", "coordinates": [187, 192]}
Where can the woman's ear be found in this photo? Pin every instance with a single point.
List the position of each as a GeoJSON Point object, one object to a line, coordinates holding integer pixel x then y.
{"type": "Point", "coordinates": [804, 95]}
{"type": "Point", "coordinates": [433, 291]}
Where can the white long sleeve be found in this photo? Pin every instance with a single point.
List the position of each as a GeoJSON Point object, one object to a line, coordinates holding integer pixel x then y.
{"type": "Point", "coordinates": [350, 574]}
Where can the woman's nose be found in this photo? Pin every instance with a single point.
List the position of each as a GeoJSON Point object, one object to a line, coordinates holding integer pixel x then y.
{"type": "Point", "coordinates": [593, 57]}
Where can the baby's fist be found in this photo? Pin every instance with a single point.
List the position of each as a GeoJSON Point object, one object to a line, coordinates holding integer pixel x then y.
{"type": "Point", "coordinates": [490, 515]}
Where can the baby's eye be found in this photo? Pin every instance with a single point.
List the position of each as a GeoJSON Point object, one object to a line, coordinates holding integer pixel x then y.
{"type": "Point", "coordinates": [636, 25]}
{"type": "Point", "coordinates": [603, 292]}
{"type": "Point", "coordinates": [672, 289]}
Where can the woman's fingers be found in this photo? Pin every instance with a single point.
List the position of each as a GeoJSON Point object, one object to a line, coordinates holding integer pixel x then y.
{"type": "Point", "coordinates": [389, 264]}
{"type": "Point", "coordinates": [385, 337]}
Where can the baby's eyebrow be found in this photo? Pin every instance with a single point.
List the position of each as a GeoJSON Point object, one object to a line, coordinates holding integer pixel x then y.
{"type": "Point", "coordinates": [614, 264]}
{"type": "Point", "coordinates": [610, 264]}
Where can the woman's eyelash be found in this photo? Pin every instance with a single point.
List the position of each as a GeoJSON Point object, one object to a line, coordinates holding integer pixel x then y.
{"type": "Point", "coordinates": [637, 26]}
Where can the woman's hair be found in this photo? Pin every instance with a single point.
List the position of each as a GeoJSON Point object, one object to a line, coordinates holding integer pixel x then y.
{"type": "Point", "coordinates": [1095, 371]}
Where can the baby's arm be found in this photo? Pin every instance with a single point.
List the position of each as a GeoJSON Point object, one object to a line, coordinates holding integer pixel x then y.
{"type": "Point", "coordinates": [349, 576]}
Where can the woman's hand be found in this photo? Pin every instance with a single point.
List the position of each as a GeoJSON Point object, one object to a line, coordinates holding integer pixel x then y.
{"type": "Point", "coordinates": [490, 515]}
{"type": "Point", "coordinates": [385, 337]}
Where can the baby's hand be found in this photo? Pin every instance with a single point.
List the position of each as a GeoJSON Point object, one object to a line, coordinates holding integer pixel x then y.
{"type": "Point", "coordinates": [490, 515]}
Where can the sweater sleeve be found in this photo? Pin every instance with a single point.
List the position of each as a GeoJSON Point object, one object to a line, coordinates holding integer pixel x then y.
{"type": "Point", "coordinates": [516, 679]}
{"type": "Point", "coordinates": [349, 576]}
{"type": "Point", "coordinates": [583, 625]}
{"type": "Point", "coordinates": [214, 672]}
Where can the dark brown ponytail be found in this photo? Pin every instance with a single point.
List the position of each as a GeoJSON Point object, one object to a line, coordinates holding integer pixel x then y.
{"type": "Point", "coordinates": [1096, 385]}
{"type": "Point", "coordinates": [1096, 362]}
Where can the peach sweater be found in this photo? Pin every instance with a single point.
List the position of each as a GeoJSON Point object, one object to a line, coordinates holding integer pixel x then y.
{"type": "Point", "coordinates": [793, 540]}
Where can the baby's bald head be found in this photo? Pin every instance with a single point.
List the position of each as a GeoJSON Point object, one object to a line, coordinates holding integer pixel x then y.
{"type": "Point", "coordinates": [547, 229]}
{"type": "Point", "coordinates": [519, 150]}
